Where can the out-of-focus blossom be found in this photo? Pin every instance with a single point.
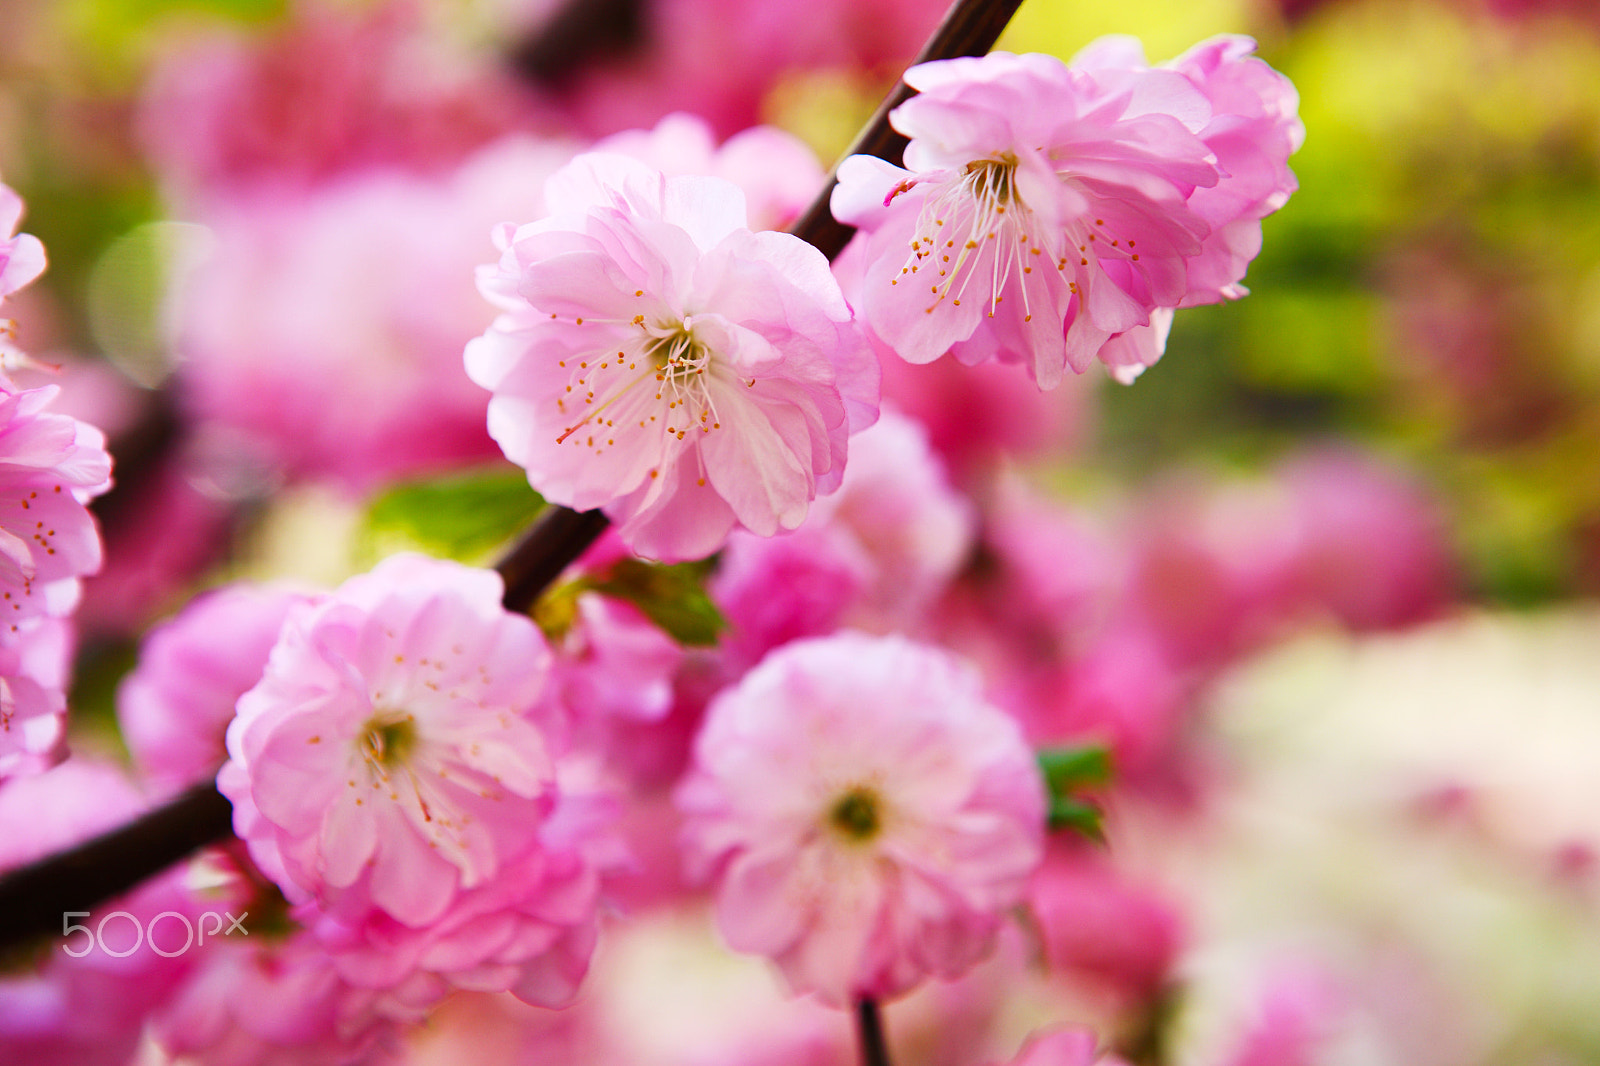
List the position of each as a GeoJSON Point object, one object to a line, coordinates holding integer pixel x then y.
{"type": "Point", "coordinates": [334, 91]}
{"type": "Point", "coordinates": [1297, 1013]}
{"type": "Point", "coordinates": [85, 1001]}
{"type": "Point", "coordinates": [722, 59]}
{"type": "Point", "coordinates": [1096, 927]}
{"type": "Point", "coordinates": [874, 554]}
{"type": "Point", "coordinates": [354, 298]}
{"type": "Point", "coordinates": [387, 761]}
{"type": "Point", "coordinates": [867, 815]}
{"type": "Point", "coordinates": [612, 663]}
{"type": "Point", "coordinates": [174, 708]}
{"type": "Point", "coordinates": [269, 1000]}
{"type": "Point", "coordinates": [779, 175]}
{"type": "Point", "coordinates": [158, 539]}
{"type": "Point", "coordinates": [975, 415]}
{"type": "Point", "coordinates": [662, 362]}
{"type": "Point", "coordinates": [1372, 545]}
{"type": "Point", "coordinates": [1220, 569]}
{"type": "Point", "coordinates": [1052, 215]}
{"type": "Point", "coordinates": [778, 589]}
{"type": "Point", "coordinates": [896, 501]}
{"type": "Point", "coordinates": [1067, 1047]}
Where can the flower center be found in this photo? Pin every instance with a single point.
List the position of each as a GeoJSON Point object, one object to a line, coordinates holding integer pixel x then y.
{"type": "Point", "coordinates": [387, 739]}
{"type": "Point", "coordinates": [975, 225]}
{"type": "Point", "coordinates": [666, 354]}
{"type": "Point", "coordinates": [994, 180]}
{"type": "Point", "coordinates": [857, 815]}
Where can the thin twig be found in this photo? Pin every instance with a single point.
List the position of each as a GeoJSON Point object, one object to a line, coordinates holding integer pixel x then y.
{"type": "Point", "coordinates": [555, 540]}
{"type": "Point", "coordinates": [34, 898]}
{"type": "Point", "coordinates": [970, 28]}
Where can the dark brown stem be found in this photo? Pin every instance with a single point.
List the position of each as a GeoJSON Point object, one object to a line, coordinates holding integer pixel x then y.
{"type": "Point", "coordinates": [555, 540]}
{"type": "Point", "coordinates": [970, 28]}
{"type": "Point", "coordinates": [579, 32]}
{"type": "Point", "coordinates": [34, 897]}
{"type": "Point", "coordinates": [869, 1033]}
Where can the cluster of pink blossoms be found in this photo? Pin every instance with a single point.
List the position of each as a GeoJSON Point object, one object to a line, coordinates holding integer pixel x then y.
{"type": "Point", "coordinates": [1053, 215]}
{"type": "Point", "coordinates": [424, 783]}
{"type": "Point", "coordinates": [51, 466]}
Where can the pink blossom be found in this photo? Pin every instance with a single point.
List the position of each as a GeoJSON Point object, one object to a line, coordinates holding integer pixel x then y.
{"type": "Point", "coordinates": [1065, 1047]}
{"type": "Point", "coordinates": [51, 466]}
{"type": "Point", "coordinates": [874, 554]}
{"type": "Point", "coordinates": [1253, 129]}
{"type": "Point", "coordinates": [1096, 926]}
{"type": "Point", "coordinates": [331, 91]}
{"type": "Point", "coordinates": [896, 502]}
{"type": "Point", "coordinates": [21, 260]}
{"type": "Point", "coordinates": [34, 665]}
{"type": "Point", "coordinates": [1049, 214]}
{"type": "Point", "coordinates": [82, 1007]}
{"type": "Point", "coordinates": [868, 816]}
{"type": "Point", "coordinates": [269, 1001]}
{"type": "Point", "coordinates": [354, 297]}
{"type": "Point", "coordinates": [174, 708]}
{"type": "Point", "coordinates": [662, 362]}
{"type": "Point", "coordinates": [312, 988]}
{"type": "Point", "coordinates": [387, 760]}
{"type": "Point", "coordinates": [530, 931]}
{"type": "Point", "coordinates": [976, 415]}
{"type": "Point", "coordinates": [773, 590]}
{"type": "Point", "coordinates": [778, 173]}
{"type": "Point", "coordinates": [724, 58]}
{"type": "Point", "coordinates": [613, 663]}
{"type": "Point", "coordinates": [1372, 545]}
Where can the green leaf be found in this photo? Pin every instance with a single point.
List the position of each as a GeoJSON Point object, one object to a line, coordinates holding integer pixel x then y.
{"type": "Point", "coordinates": [1068, 768]}
{"type": "Point", "coordinates": [673, 597]}
{"type": "Point", "coordinates": [463, 516]}
{"type": "Point", "coordinates": [1068, 771]}
{"type": "Point", "coordinates": [1076, 814]}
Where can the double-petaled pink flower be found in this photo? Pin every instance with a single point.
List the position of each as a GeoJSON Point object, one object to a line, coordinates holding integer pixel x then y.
{"type": "Point", "coordinates": [869, 817]}
{"type": "Point", "coordinates": [391, 758]}
{"type": "Point", "coordinates": [1053, 215]}
{"type": "Point", "coordinates": [659, 360]}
